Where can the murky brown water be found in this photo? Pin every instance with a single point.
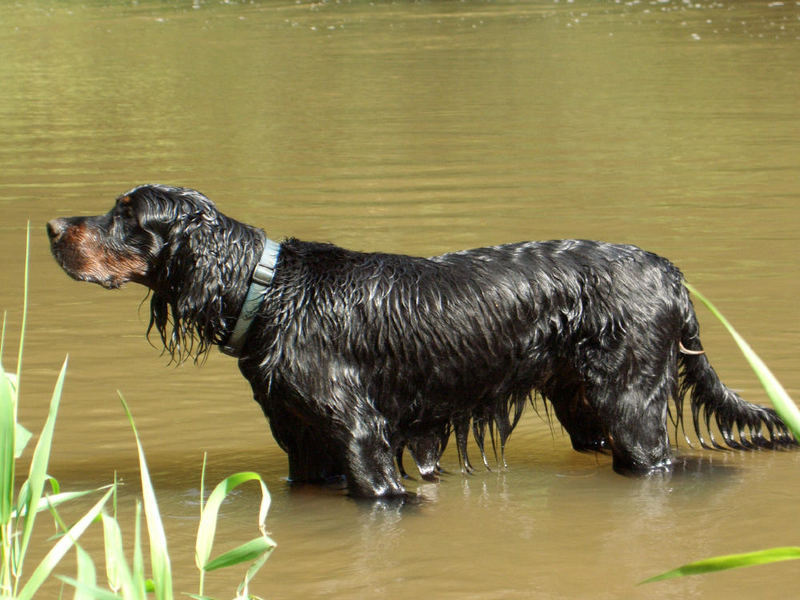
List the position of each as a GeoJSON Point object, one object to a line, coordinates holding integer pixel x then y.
{"type": "Point", "coordinates": [420, 128]}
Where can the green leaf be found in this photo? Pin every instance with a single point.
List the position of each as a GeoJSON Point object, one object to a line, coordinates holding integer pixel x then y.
{"type": "Point", "coordinates": [780, 399]}
{"type": "Point", "coordinates": [23, 436]}
{"type": "Point", "coordinates": [242, 591]}
{"type": "Point", "coordinates": [53, 500]}
{"type": "Point", "coordinates": [258, 549]}
{"type": "Point", "coordinates": [730, 561]}
{"type": "Point", "coordinates": [117, 571]}
{"type": "Point", "coordinates": [138, 560]}
{"type": "Point", "coordinates": [92, 591]}
{"type": "Point", "coordinates": [159, 555]}
{"type": "Point", "coordinates": [208, 520]}
{"type": "Point", "coordinates": [37, 473]}
{"type": "Point", "coordinates": [86, 574]}
{"type": "Point", "coordinates": [248, 551]}
{"type": "Point", "coordinates": [24, 304]}
{"type": "Point", "coordinates": [58, 551]}
{"type": "Point", "coordinates": [7, 446]}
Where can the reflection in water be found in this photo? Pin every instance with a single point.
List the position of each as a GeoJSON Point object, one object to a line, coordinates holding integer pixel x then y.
{"type": "Point", "coordinates": [380, 532]}
{"type": "Point", "coordinates": [491, 518]}
{"type": "Point", "coordinates": [416, 128]}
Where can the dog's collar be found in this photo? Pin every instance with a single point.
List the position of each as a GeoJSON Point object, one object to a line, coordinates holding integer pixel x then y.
{"type": "Point", "coordinates": [259, 282]}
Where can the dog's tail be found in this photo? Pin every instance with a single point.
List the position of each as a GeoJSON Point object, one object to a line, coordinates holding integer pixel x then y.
{"type": "Point", "coordinates": [742, 425]}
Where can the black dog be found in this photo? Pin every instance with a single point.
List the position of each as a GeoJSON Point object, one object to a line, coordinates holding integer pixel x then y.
{"type": "Point", "coordinates": [355, 356]}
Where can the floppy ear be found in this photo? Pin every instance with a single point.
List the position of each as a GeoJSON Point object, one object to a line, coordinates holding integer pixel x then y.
{"type": "Point", "coordinates": [202, 275]}
{"type": "Point", "coordinates": [201, 265]}
{"type": "Point", "coordinates": [189, 289]}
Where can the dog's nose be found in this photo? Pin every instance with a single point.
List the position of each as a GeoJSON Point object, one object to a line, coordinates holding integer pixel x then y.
{"type": "Point", "coordinates": [55, 228]}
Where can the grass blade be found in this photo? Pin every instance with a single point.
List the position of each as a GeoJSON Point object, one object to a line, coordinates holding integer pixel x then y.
{"type": "Point", "coordinates": [138, 560]}
{"type": "Point", "coordinates": [23, 436]}
{"type": "Point", "coordinates": [58, 551]}
{"type": "Point", "coordinates": [242, 591]}
{"type": "Point", "coordinates": [117, 571]}
{"type": "Point", "coordinates": [730, 561]}
{"type": "Point", "coordinates": [780, 399]}
{"type": "Point", "coordinates": [37, 473]}
{"type": "Point", "coordinates": [7, 447]}
{"type": "Point", "coordinates": [53, 500]}
{"type": "Point", "coordinates": [86, 574]}
{"type": "Point", "coordinates": [92, 591]}
{"type": "Point", "coordinates": [208, 520]}
{"type": "Point", "coordinates": [248, 551]}
{"type": "Point", "coordinates": [257, 550]}
{"type": "Point", "coordinates": [24, 303]}
{"type": "Point", "coordinates": [790, 414]}
{"type": "Point", "coordinates": [159, 555]}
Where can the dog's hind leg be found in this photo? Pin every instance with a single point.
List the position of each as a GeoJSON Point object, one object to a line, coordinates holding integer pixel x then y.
{"type": "Point", "coordinates": [427, 447]}
{"type": "Point", "coordinates": [479, 424]}
{"type": "Point", "coordinates": [461, 428]}
{"type": "Point", "coordinates": [425, 452]}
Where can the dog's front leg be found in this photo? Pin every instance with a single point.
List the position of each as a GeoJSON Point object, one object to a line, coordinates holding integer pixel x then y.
{"type": "Point", "coordinates": [371, 471]}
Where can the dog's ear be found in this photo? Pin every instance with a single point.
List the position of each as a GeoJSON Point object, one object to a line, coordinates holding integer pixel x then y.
{"type": "Point", "coordinates": [201, 264]}
{"type": "Point", "coordinates": [189, 285]}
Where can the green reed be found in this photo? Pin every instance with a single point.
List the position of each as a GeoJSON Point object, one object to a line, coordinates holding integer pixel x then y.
{"type": "Point", "coordinates": [128, 581]}
{"type": "Point", "coordinates": [18, 513]}
{"type": "Point", "coordinates": [790, 414]}
{"type": "Point", "coordinates": [780, 399]}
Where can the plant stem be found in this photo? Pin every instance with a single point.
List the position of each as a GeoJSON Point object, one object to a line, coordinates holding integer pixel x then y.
{"type": "Point", "coordinates": [24, 311]}
{"type": "Point", "coordinates": [202, 502]}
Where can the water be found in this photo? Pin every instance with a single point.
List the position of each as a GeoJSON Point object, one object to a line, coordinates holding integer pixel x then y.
{"type": "Point", "coordinates": [417, 128]}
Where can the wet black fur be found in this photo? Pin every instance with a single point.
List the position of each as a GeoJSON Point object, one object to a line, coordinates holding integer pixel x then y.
{"type": "Point", "coordinates": [355, 356]}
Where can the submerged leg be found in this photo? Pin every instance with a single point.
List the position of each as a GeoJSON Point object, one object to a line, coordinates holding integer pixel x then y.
{"type": "Point", "coordinates": [369, 459]}
{"type": "Point", "coordinates": [479, 425]}
{"type": "Point", "coordinates": [311, 455]}
{"type": "Point", "coordinates": [461, 427]}
{"type": "Point", "coordinates": [425, 452]}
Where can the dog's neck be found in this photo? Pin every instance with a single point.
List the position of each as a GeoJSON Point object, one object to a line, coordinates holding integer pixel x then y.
{"type": "Point", "coordinates": [260, 280]}
{"type": "Point", "coordinates": [209, 272]}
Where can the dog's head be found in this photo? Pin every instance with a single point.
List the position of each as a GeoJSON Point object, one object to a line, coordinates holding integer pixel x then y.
{"type": "Point", "coordinates": [174, 241]}
{"type": "Point", "coordinates": [127, 243]}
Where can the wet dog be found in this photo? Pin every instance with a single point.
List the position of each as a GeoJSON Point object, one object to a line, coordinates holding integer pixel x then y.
{"type": "Point", "coordinates": [355, 356]}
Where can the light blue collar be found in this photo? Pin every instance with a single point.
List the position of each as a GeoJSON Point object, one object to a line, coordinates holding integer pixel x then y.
{"type": "Point", "coordinates": [260, 281]}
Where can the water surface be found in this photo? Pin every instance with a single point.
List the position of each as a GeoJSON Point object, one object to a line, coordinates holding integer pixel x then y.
{"type": "Point", "coordinates": [416, 128]}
